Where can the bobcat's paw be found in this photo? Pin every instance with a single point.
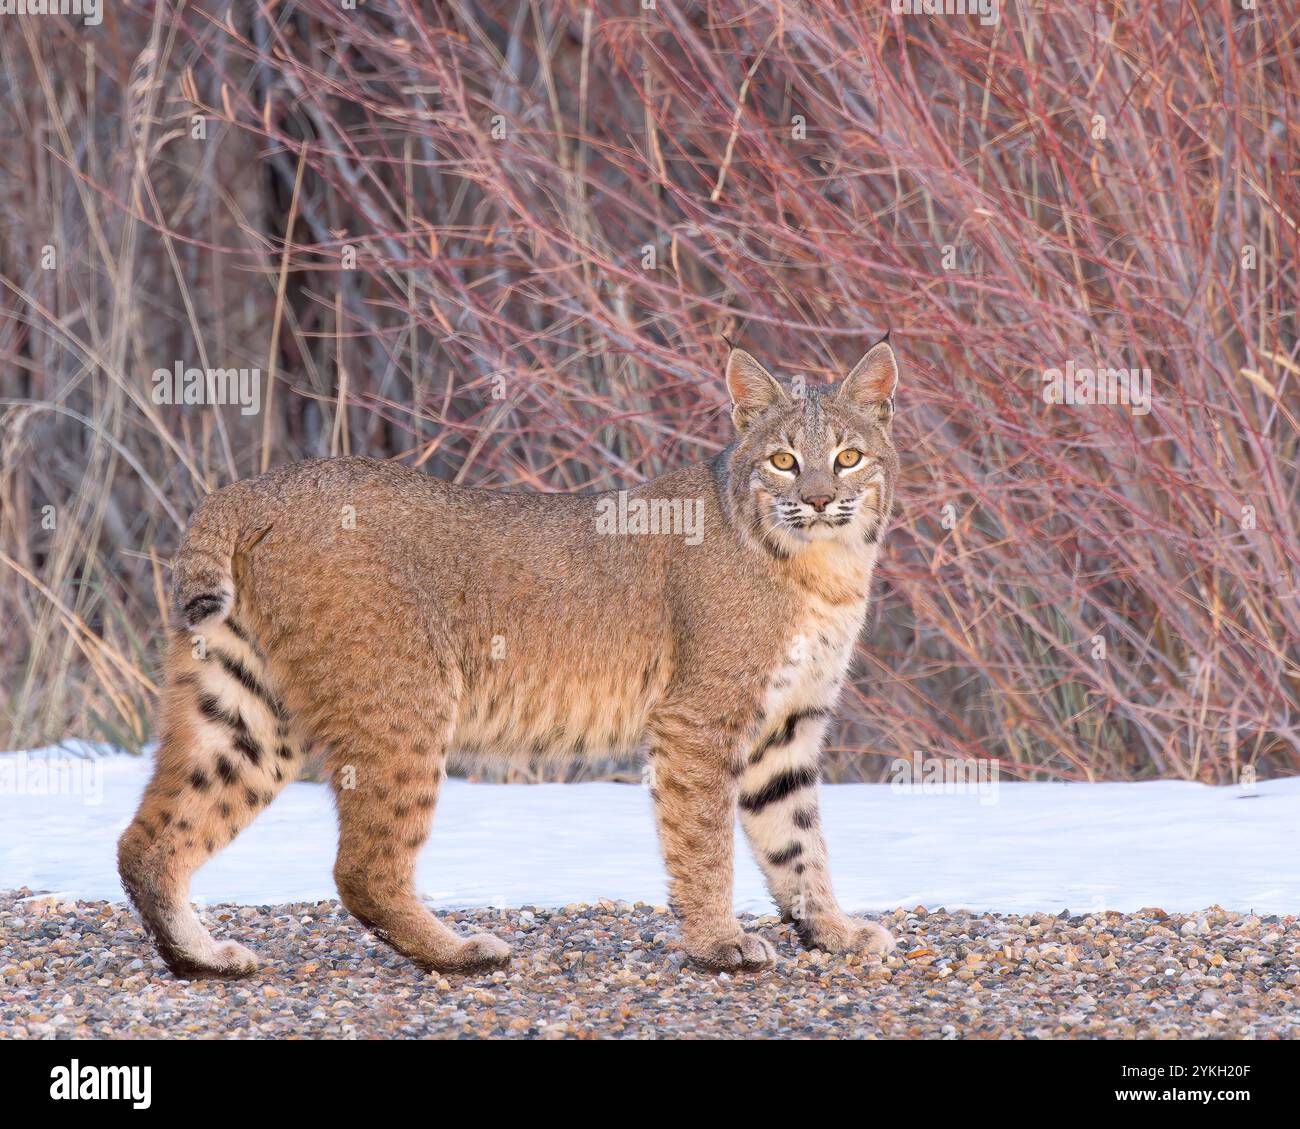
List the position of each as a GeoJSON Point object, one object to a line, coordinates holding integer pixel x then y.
{"type": "Point", "coordinates": [742, 950]}
{"type": "Point", "coordinates": [848, 935]}
{"type": "Point", "coordinates": [226, 961]}
{"type": "Point", "coordinates": [481, 952]}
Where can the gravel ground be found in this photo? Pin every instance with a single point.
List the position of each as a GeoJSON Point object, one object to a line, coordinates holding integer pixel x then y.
{"type": "Point", "coordinates": [85, 970]}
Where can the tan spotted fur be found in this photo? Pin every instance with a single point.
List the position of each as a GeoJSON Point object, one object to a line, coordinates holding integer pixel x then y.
{"type": "Point", "coordinates": [405, 626]}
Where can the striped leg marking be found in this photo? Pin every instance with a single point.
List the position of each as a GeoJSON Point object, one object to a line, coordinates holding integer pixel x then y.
{"type": "Point", "coordinates": [780, 814]}
{"type": "Point", "coordinates": [226, 751]}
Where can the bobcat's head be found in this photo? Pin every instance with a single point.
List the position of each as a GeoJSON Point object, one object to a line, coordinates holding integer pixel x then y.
{"type": "Point", "coordinates": [815, 467]}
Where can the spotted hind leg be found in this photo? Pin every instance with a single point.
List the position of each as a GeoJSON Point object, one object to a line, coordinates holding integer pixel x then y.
{"type": "Point", "coordinates": [227, 749]}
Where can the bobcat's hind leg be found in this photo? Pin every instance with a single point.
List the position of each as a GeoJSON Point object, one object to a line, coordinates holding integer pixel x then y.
{"type": "Point", "coordinates": [226, 751]}
{"type": "Point", "coordinates": [386, 795]}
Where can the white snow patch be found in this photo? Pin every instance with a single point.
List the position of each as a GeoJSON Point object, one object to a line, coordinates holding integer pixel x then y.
{"type": "Point", "coordinates": [1038, 847]}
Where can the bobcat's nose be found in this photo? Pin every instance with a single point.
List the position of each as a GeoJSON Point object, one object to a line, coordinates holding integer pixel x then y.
{"type": "Point", "coordinates": [819, 502]}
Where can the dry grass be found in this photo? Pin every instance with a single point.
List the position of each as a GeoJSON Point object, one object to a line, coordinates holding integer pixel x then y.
{"type": "Point", "coordinates": [1113, 185]}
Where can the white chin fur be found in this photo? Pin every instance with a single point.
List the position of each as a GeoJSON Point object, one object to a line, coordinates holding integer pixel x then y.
{"type": "Point", "coordinates": [795, 539]}
{"type": "Point", "coordinates": [822, 532]}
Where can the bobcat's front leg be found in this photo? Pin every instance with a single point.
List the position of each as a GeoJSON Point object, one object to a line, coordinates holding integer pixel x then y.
{"type": "Point", "coordinates": [694, 788]}
{"type": "Point", "coordinates": [781, 817]}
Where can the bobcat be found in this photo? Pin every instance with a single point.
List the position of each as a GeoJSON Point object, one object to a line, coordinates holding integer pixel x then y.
{"type": "Point", "coordinates": [402, 624]}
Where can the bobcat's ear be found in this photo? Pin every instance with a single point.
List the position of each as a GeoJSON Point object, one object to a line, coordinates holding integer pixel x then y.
{"type": "Point", "coordinates": [753, 389]}
{"type": "Point", "coordinates": [872, 382]}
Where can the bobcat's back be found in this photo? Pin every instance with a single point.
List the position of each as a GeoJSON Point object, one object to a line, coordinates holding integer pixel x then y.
{"type": "Point", "coordinates": [557, 626]}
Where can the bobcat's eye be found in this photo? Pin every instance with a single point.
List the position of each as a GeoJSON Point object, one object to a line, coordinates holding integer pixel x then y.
{"type": "Point", "coordinates": [848, 458]}
{"type": "Point", "coordinates": [783, 460]}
